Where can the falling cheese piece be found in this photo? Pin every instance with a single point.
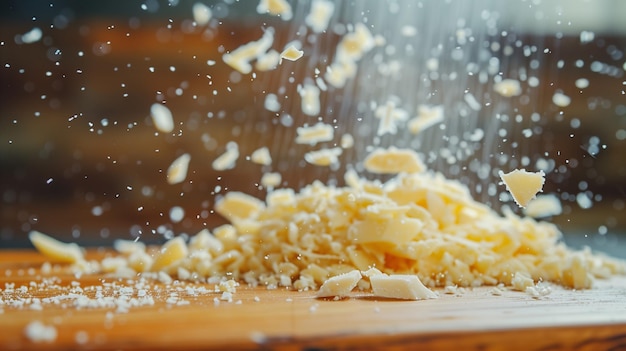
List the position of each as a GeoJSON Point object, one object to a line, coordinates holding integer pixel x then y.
{"type": "Point", "coordinates": [508, 88]}
{"type": "Point", "coordinates": [427, 117]}
{"type": "Point", "coordinates": [523, 185]}
{"type": "Point", "coordinates": [238, 206]}
{"type": "Point", "coordinates": [177, 172]}
{"type": "Point", "coordinates": [320, 14]}
{"type": "Point", "coordinates": [261, 156]}
{"type": "Point", "coordinates": [291, 53]}
{"type": "Point", "coordinates": [162, 118]}
{"type": "Point", "coordinates": [323, 157]}
{"type": "Point", "coordinates": [544, 206]}
{"type": "Point", "coordinates": [54, 249]}
{"type": "Point", "coordinates": [279, 8]}
{"type": "Point", "coordinates": [340, 285]}
{"type": "Point", "coordinates": [315, 134]}
{"type": "Point", "coordinates": [171, 252]}
{"type": "Point", "coordinates": [271, 179]}
{"type": "Point", "coordinates": [393, 160]}
{"type": "Point", "coordinates": [400, 286]}
{"type": "Point", "coordinates": [201, 13]}
{"type": "Point", "coordinates": [228, 159]}
{"type": "Point", "coordinates": [241, 57]}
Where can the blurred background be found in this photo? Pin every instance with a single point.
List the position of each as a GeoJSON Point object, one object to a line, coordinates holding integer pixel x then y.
{"type": "Point", "coordinates": [80, 159]}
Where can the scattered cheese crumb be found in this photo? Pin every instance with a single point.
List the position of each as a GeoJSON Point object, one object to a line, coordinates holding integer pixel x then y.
{"type": "Point", "coordinates": [261, 156]}
{"type": "Point", "coordinates": [521, 281]}
{"type": "Point", "coordinates": [267, 61]}
{"type": "Point", "coordinates": [279, 8]}
{"type": "Point", "coordinates": [340, 285]}
{"type": "Point", "coordinates": [389, 116]}
{"type": "Point", "coordinates": [236, 206]}
{"type": "Point", "coordinates": [561, 100]}
{"type": "Point", "coordinates": [177, 171]}
{"type": "Point", "coordinates": [427, 117]}
{"type": "Point", "coordinates": [201, 13]}
{"type": "Point", "coordinates": [544, 206]}
{"type": "Point", "coordinates": [172, 251]}
{"type": "Point", "coordinates": [320, 14]}
{"type": "Point", "coordinates": [310, 95]}
{"type": "Point", "coordinates": [241, 57]}
{"type": "Point", "coordinates": [523, 185]}
{"type": "Point", "coordinates": [312, 135]}
{"type": "Point", "coordinates": [271, 180]}
{"type": "Point", "coordinates": [400, 286]}
{"type": "Point", "coordinates": [323, 157]}
{"type": "Point", "coordinates": [347, 141]}
{"type": "Point", "coordinates": [162, 118]}
{"type": "Point", "coordinates": [291, 53]}
{"type": "Point", "coordinates": [393, 160]}
{"type": "Point", "coordinates": [508, 87]}
{"type": "Point", "coordinates": [228, 159]}
{"type": "Point", "coordinates": [38, 332]}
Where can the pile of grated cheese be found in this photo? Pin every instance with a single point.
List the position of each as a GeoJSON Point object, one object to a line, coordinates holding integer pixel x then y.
{"type": "Point", "coordinates": [417, 223]}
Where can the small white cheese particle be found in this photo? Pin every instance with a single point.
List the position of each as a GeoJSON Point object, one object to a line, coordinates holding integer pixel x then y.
{"type": "Point", "coordinates": [320, 14]}
{"type": "Point", "coordinates": [38, 332]}
{"type": "Point", "coordinates": [201, 13]}
{"type": "Point", "coordinates": [561, 100]}
{"type": "Point", "coordinates": [279, 8]}
{"type": "Point", "coordinates": [544, 206]}
{"type": "Point", "coordinates": [228, 159]}
{"type": "Point", "coordinates": [271, 179]}
{"type": "Point", "coordinates": [323, 157]}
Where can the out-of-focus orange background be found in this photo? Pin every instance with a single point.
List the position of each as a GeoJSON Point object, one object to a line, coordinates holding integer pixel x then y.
{"type": "Point", "coordinates": [80, 160]}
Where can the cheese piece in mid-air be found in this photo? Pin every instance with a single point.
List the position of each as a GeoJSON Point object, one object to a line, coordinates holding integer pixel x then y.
{"type": "Point", "coordinates": [340, 285]}
{"type": "Point", "coordinates": [228, 159]}
{"type": "Point", "coordinates": [508, 87]}
{"type": "Point", "coordinates": [241, 57]}
{"type": "Point", "coordinates": [393, 160]}
{"type": "Point", "coordinates": [291, 53]}
{"type": "Point", "coordinates": [427, 116]}
{"type": "Point", "coordinates": [400, 286]}
{"type": "Point", "coordinates": [523, 185]}
{"type": "Point", "coordinates": [162, 118]}
{"type": "Point", "coordinates": [261, 156]}
{"type": "Point", "coordinates": [279, 8]}
{"type": "Point", "coordinates": [236, 205]}
{"type": "Point", "coordinates": [320, 14]}
{"type": "Point", "coordinates": [54, 249]}
{"type": "Point", "coordinates": [323, 157]}
{"type": "Point", "coordinates": [544, 206]}
{"type": "Point", "coordinates": [177, 172]}
{"type": "Point", "coordinates": [315, 134]}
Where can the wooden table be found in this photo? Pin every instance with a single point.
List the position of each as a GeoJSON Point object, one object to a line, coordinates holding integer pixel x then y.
{"type": "Point", "coordinates": [288, 320]}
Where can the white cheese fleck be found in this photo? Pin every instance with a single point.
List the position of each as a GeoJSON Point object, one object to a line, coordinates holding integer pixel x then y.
{"type": "Point", "coordinates": [177, 171]}
{"type": "Point", "coordinates": [162, 118]}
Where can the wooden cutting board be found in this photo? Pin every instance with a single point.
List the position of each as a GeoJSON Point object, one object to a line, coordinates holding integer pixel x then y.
{"type": "Point", "coordinates": [289, 320]}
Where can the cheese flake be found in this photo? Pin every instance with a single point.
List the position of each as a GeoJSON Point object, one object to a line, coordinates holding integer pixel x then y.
{"type": "Point", "coordinates": [523, 185]}
{"type": "Point", "coordinates": [177, 171]}
{"type": "Point", "coordinates": [427, 117]}
{"type": "Point", "coordinates": [228, 159]}
{"type": "Point", "coordinates": [320, 14]}
{"type": "Point", "coordinates": [400, 286]}
{"type": "Point", "coordinates": [291, 53]}
{"type": "Point", "coordinates": [317, 133]}
{"type": "Point", "coordinates": [54, 249]}
{"type": "Point", "coordinates": [508, 87]}
{"type": "Point", "coordinates": [340, 285]}
{"type": "Point", "coordinates": [261, 156]}
{"type": "Point", "coordinates": [279, 8]}
{"type": "Point", "coordinates": [162, 118]}
{"type": "Point", "coordinates": [393, 160]}
{"type": "Point", "coordinates": [241, 57]}
{"type": "Point", "coordinates": [323, 157]}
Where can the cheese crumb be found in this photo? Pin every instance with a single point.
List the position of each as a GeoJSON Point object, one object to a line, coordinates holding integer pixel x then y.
{"type": "Point", "coordinates": [523, 185]}
{"type": "Point", "coordinates": [508, 87]}
{"type": "Point", "coordinates": [261, 156]}
{"type": "Point", "coordinates": [544, 206]}
{"type": "Point", "coordinates": [390, 116]}
{"type": "Point", "coordinates": [521, 281]}
{"type": "Point", "coordinates": [162, 118]}
{"type": "Point", "coordinates": [172, 251]}
{"type": "Point", "coordinates": [271, 180]}
{"type": "Point", "coordinates": [312, 135]}
{"type": "Point", "coordinates": [427, 117]}
{"type": "Point", "coordinates": [561, 100]}
{"type": "Point", "coordinates": [54, 249]}
{"type": "Point", "coordinates": [228, 159]}
{"type": "Point", "coordinates": [347, 141]}
{"type": "Point", "coordinates": [400, 286]}
{"type": "Point", "coordinates": [279, 8]}
{"type": "Point", "coordinates": [320, 14]}
{"type": "Point", "coordinates": [241, 57]}
{"type": "Point", "coordinates": [340, 285]}
{"type": "Point", "coordinates": [177, 171]}
{"type": "Point", "coordinates": [310, 95]}
{"type": "Point", "coordinates": [236, 206]}
{"type": "Point", "coordinates": [323, 157]}
{"type": "Point", "coordinates": [38, 332]}
{"type": "Point", "coordinates": [393, 160]}
{"type": "Point", "coordinates": [291, 53]}
{"type": "Point", "coordinates": [267, 61]}
{"type": "Point", "coordinates": [201, 13]}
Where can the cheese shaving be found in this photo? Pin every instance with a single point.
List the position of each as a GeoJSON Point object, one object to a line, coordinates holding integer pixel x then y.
{"type": "Point", "coordinates": [523, 185]}
{"type": "Point", "coordinates": [177, 171]}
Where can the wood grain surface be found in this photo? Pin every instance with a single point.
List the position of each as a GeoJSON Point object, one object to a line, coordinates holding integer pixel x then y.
{"type": "Point", "coordinates": [280, 319]}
